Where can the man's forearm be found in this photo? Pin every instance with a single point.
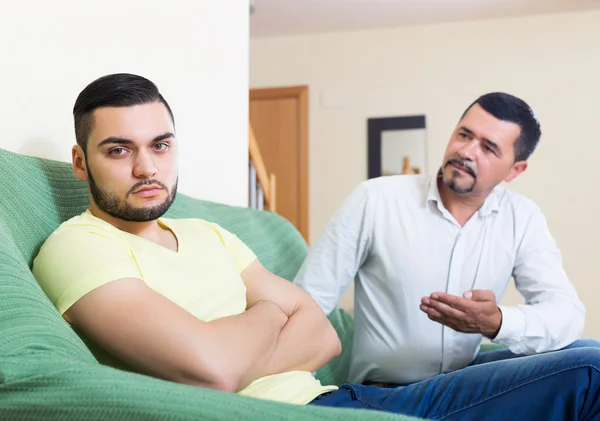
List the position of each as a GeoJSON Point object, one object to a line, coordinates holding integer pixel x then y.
{"type": "Point", "coordinates": [247, 341]}
{"type": "Point", "coordinates": [306, 342]}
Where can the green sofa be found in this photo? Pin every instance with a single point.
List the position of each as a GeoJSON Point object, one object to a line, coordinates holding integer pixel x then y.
{"type": "Point", "coordinates": [46, 371]}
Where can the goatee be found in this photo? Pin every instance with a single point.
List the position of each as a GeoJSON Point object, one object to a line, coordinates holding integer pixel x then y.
{"type": "Point", "coordinates": [468, 167]}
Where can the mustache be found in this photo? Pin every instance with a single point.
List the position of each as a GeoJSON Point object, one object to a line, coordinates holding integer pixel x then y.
{"type": "Point", "coordinates": [146, 183]}
{"type": "Point", "coordinates": [465, 164]}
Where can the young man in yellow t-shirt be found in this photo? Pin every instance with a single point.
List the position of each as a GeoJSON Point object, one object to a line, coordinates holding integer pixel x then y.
{"type": "Point", "coordinates": [187, 301]}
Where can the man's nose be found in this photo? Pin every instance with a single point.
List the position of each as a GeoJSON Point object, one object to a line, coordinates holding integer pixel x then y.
{"type": "Point", "coordinates": [144, 166]}
{"type": "Point", "coordinates": [470, 150]}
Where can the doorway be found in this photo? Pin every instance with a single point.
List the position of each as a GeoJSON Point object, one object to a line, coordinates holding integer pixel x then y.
{"type": "Point", "coordinates": [279, 118]}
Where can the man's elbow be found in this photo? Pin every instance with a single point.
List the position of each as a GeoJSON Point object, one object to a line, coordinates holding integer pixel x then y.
{"type": "Point", "coordinates": [329, 338]}
{"type": "Point", "coordinates": [334, 343]}
{"type": "Point", "coordinates": [213, 375]}
{"type": "Point", "coordinates": [230, 385]}
{"type": "Point", "coordinates": [224, 383]}
{"type": "Point", "coordinates": [337, 349]}
{"type": "Point", "coordinates": [572, 327]}
{"type": "Point", "coordinates": [221, 384]}
{"type": "Point", "coordinates": [580, 317]}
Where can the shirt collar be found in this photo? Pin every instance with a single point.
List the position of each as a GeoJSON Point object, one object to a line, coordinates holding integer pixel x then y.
{"type": "Point", "coordinates": [433, 193]}
{"type": "Point", "coordinates": [490, 205]}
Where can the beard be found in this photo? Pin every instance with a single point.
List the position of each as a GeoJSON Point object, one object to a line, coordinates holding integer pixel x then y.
{"type": "Point", "coordinates": [116, 207]}
{"type": "Point", "coordinates": [452, 182]}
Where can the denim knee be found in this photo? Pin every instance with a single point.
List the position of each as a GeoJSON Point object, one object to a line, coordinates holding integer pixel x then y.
{"type": "Point", "coordinates": [582, 356]}
{"type": "Point", "coordinates": [584, 343]}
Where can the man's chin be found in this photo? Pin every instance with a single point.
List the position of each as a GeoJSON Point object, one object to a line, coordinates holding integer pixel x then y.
{"type": "Point", "coordinates": [146, 203]}
{"type": "Point", "coordinates": [141, 214]}
{"type": "Point", "coordinates": [460, 188]}
{"type": "Point", "coordinates": [459, 185]}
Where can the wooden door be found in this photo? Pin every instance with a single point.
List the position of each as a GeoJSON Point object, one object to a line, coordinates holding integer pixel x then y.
{"type": "Point", "coordinates": [279, 118]}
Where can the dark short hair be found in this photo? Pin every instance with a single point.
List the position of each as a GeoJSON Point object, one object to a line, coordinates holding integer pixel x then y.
{"type": "Point", "coordinates": [116, 90]}
{"type": "Point", "coordinates": [507, 107]}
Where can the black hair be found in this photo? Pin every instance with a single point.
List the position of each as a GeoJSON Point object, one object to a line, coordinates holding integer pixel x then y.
{"type": "Point", "coordinates": [507, 107]}
{"type": "Point", "coordinates": [115, 90]}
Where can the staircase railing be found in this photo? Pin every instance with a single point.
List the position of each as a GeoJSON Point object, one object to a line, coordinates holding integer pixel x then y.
{"type": "Point", "coordinates": [262, 186]}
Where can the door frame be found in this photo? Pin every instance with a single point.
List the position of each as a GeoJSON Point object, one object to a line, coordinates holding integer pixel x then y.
{"type": "Point", "coordinates": [300, 93]}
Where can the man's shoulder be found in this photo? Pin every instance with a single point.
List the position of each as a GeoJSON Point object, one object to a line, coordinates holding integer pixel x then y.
{"type": "Point", "coordinates": [82, 224]}
{"type": "Point", "coordinates": [80, 234]}
{"type": "Point", "coordinates": [517, 204]}
{"type": "Point", "coordinates": [397, 182]}
{"type": "Point", "coordinates": [390, 188]}
{"type": "Point", "coordinates": [78, 239]}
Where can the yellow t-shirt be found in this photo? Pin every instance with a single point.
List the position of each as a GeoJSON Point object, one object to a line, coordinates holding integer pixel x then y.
{"type": "Point", "coordinates": [203, 277]}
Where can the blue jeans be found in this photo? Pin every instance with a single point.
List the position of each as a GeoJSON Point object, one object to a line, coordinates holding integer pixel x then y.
{"type": "Point", "coordinates": [560, 385]}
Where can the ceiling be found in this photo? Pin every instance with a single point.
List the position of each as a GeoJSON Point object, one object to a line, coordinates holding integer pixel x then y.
{"type": "Point", "coordinates": [291, 17]}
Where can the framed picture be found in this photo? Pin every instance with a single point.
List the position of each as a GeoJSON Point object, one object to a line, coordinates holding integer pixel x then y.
{"type": "Point", "coordinates": [397, 145]}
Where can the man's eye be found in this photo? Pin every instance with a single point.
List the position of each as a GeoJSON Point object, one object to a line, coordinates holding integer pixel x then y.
{"type": "Point", "coordinates": [463, 135]}
{"type": "Point", "coordinates": [117, 151]}
{"type": "Point", "coordinates": [161, 146]}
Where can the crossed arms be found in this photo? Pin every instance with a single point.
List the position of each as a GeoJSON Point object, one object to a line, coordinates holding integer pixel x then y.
{"type": "Point", "coordinates": [282, 329]}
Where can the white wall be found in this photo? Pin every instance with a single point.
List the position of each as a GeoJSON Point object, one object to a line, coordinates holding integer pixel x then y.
{"type": "Point", "coordinates": [553, 62]}
{"type": "Point", "coordinates": [195, 51]}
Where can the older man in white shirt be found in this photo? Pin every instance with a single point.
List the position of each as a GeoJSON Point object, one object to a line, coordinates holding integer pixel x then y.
{"type": "Point", "coordinates": [431, 256]}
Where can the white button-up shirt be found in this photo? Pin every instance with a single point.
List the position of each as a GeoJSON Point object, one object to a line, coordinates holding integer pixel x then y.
{"type": "Point", "coordinates": [394, 236]}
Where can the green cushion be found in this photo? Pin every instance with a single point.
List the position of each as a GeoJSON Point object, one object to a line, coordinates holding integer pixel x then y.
{"type": "Point", "coordinates": [47, 373]}
{"type": "Point", "coordinates": [490, 347]}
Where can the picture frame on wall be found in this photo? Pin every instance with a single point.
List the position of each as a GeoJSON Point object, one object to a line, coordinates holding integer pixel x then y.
{"type": "Point", "coordinates": [396, 145]}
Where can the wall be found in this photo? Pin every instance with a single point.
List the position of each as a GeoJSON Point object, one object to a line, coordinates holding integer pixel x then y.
{"type": "Point", "coordinates": [553, 62]}
{"type": "Point", "coordinates": [51, 50]}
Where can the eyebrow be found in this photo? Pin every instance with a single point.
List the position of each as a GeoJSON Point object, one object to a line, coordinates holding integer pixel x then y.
{"type": "Point", "coordinates": [492, 144]}
{"type": "Point", "coordinates": [115, 140]}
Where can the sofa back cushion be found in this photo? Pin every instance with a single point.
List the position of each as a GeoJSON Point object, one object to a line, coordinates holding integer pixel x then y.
{"type": "Point", "coordinates": [35, 197]}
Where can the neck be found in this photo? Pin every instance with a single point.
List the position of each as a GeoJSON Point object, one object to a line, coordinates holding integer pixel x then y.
{"type": "Point", "coordinates": [461, 206]}
{"type": "Point", "coordinates": [148, 230]}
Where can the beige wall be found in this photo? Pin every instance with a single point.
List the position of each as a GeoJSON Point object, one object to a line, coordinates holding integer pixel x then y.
{"type": "Point", "coordinates": [50, 50]}
{"type": "Point", "coordinates": [553, 62]}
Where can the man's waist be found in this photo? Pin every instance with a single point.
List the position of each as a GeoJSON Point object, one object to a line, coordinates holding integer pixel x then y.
{"type": "Point", "coordinates": [407, 364]}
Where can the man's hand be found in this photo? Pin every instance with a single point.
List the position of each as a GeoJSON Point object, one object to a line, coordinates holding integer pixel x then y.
{"type": "Point", "coordinates": [475, 312]}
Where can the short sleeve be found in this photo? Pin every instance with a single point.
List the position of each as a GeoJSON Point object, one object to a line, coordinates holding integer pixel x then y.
{"type": "Point", "coordinates": [77, 259]}
{"type": "Point", "coordinates": [241, 253]}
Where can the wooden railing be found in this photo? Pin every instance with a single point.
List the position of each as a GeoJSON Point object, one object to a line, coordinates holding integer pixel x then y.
{"type": "Point", "coordinates": [262, 184]}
